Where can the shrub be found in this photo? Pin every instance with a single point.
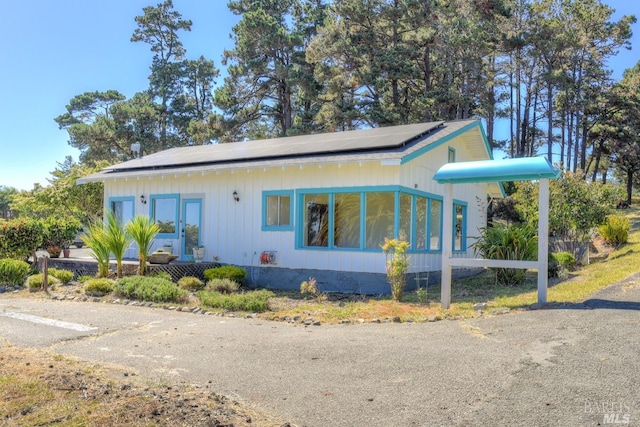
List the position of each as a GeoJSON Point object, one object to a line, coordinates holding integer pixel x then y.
{"type": "Point", "coordinates": [190, 283]}
{"type": "Point", "coordinates": [13, 272]}
{"type": "Point", "coordinates": [99, 287]}
{"type": "Point", "coordinates": [34, 282]}
{"type": "Point", "coordinates": [615, 230]}
{"type": "Point", "coordinates": [395, 251]}
{"type": "Point", "coordinates": [150, 289]}
{"type": "Point", "coordinates": [61, 231]}
{"type": "Point", "coordinates": [224, 286]}
{"type": "Point", "coordinates": [511, 242]}
{"type": "Point", "coordinates": [161, 275]}
{"type": "Point", "coordinates": [564, 259]}
{"type": "Point", "coordinates": [85, 278]}
{"type": "Point", "coordinates": [65, 276]}
{"type": "Point", "coordinates": [237, 274]}
{"type": "Point", "coordinates": [253, 301]}
{"type": "Point", "coordinates": [20, 238]}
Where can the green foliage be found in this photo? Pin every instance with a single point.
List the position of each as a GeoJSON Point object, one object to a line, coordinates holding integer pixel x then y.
{"type": "Point", "coordinates": [85, 278]}
{"type": "Point", "coordinates": [61, 231]}
{"type": "Point", "coordinates": [96, 238]}
{"type": "Point", "coordinates": [564, 259]}
{"type": "Point", "coordinates": [117, 240]}
{"type": "Point", "coordinates": [190, 283]}
{"type": "Point", "coordinates": [65, 276]}
{"type": "Point", "coordinates": [231, 272]}
{"type": "Point", "coordinates": [83, 202]}
{"type": "Point", "coordinates": [224, 286]}
{"type": "Point", "coordinates": [143, 231]}
{"type": "Point", "coordinates": [150, 289]}
{"type": "Point", "coordinates": [6, 200]}
{"type": "Point", "coordinates": [615, 230]}
{"type": "Point", "coordinates": [161, 274]}
{"type": "Point", "coordinates": [13, 272]}
{"type": "Point", "coordinates": [20, 238]}
{"type": "Point", "coordinates": [397, 265]}
{"type": "Point", "coordinates": [511, 242]}
{"type": "Point", "coordinates": [99, 287]}
{"type": "Point", "coordinates": [576, 206]}
{"type": "Point", "coordinates": [253, 301]}
{"type": "Point", "coordinates": [34, 282]}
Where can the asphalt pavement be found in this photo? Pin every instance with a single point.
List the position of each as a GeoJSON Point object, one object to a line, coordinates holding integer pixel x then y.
{"type": "Point", "coordinates": [567, 365]}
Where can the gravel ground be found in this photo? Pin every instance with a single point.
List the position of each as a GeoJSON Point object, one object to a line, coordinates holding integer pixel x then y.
{"type": "Point", "coordinates": [568, 365]}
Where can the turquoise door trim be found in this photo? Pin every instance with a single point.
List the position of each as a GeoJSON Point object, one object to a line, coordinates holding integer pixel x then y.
{"type": "Point", "coordinates": [191, 215]}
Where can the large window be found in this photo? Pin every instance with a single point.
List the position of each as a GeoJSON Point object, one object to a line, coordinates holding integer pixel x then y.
{"type": "Point", "coordinates": [164, 212]}
{"type": "Point", "coordinates": [122, 208]}
{"type": "Point", "coordinates": [277, 210]}
{"type": "Point", "coordinates": [361, 218]}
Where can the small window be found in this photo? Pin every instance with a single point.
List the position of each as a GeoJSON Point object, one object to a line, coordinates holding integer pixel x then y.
{"type": "Point", "coordinates": [164, 211]}
{"type": "Point", "coordinates": [451, 155]}
{"type": "Point", "coordinates": [460, 229]}
{"type": "Point", "coordinates": [277, 211]}
{"type": "Point", "coordinates": [122, 208]}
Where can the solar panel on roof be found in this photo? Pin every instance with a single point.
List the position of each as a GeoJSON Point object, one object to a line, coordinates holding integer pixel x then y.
{"type": "Point", "coordinates": [336, 142]}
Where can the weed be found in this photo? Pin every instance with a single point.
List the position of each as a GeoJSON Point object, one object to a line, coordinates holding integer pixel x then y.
{"type": "Point", "coordinates": [224, 286]}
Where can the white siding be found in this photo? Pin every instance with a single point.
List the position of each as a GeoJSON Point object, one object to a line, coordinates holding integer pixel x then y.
{"type": "Point", "coordinates": [232, 230]}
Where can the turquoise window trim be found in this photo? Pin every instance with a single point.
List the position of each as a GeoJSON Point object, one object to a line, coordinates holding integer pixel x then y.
{"type": "Point", "coordinates": [363, 191]}
{"type": "Point", "coordinates": [451, 155]}
{"type": "Point", "coordinates": [291, 195]}
{"type": "Point", "coordinates": [430, 223]}
{"type": "Point", "coordinates": [174, 196]}
{"type": "Point", "coordinates": [463, 237]}
{"type": "Point", "coordinates": [448, 138]}
{"type": "Point", "coordinates": [131, 199]}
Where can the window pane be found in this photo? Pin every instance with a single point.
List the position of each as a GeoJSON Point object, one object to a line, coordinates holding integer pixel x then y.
{"type": "Point", "coordinates": [273, 208]}
{"type": "Point", "coordinates": [421, 223]}
{"type": "Point", "coordinates": [347, 220]}
{"type": "Point", "coordinates": [285, 210]}
{"type": "Point", "coordinates": [458, 241]}
{"type": "Point", "coordinates": [164, 214]}
{"type": "Point", "coordinates": [435, 233]}
{"type": "Point", "coordinates": [123, 210]}
{"type": "Point", "coordinates": [316, 221]}
{"type": "Point", "coordinates": [379, 221]}
{"type": "Point", "coordinates": [405, 217]}
{"type": "Point", "coordinates": [192, 226]}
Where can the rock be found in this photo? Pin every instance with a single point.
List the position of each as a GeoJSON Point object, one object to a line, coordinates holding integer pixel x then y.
{"type": "Point", "coordinates": [116, 301]}
{"type": "Point", "coordinates": [431, 319]}
{"type": "Point", "coordinates": [397, 319]}
{"type": "Point", "coordinates": [409, 320]}
{"type": "Point", "coordinates": [308, 321]}
{"type": "Point", "coordinates": [375, 320]}
{"type": "Point", "coordinates": [481, 306]}
{"type": "Point", "coordinates": [316, 323]}
{"type": "Point", "coordinates": [345, 321]}
{"type": "Point", "coordinates": [500, 311]}
{"type": "Point", "coordinates": [360, 320]}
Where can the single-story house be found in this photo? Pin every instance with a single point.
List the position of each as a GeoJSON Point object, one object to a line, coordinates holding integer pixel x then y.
{"type": "Point", "coordinates": [319, 206]}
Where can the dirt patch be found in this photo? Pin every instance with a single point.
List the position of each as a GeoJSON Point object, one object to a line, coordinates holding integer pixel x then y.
{"type": "Point", "coordinates": [46, 389]}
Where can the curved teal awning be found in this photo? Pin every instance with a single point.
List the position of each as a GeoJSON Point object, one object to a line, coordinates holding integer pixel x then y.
{"type": "Point", "coordinates": [521, 169]}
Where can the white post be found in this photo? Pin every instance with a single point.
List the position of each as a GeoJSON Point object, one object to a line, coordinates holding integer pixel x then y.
{"type": "Point", "coordinates": [447, 245]}
{"type": "Point", "coordinates": [543, 240]}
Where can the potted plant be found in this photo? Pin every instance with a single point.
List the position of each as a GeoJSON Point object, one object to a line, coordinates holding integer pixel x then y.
{"type": "Point", "coordinates": [198, 253]}
{"type": "Point", "coordinates": [60, 233]}
{"type": "Point", "coordinates": [168, 246]}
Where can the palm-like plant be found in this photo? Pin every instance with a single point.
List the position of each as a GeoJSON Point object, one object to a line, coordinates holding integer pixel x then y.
{"type": "Point", "coordinates": [117, 239]}
{"type": "Point", "coordinates": [96, 238]}
{"type": "Point", "coordinates": [143, 231]}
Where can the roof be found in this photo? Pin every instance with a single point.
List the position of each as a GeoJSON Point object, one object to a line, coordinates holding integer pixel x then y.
{"type": "Point", "coordinates": [392, 145]}
{"type": "Point", "coordinates": [521, 169]}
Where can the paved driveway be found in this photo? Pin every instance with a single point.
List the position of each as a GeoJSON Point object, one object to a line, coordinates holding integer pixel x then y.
{"type": "Point", "coordinates": [570, 365]}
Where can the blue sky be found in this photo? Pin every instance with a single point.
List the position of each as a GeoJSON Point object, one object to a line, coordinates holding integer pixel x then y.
{"type": "Point", "coordinates": [51, 51]}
